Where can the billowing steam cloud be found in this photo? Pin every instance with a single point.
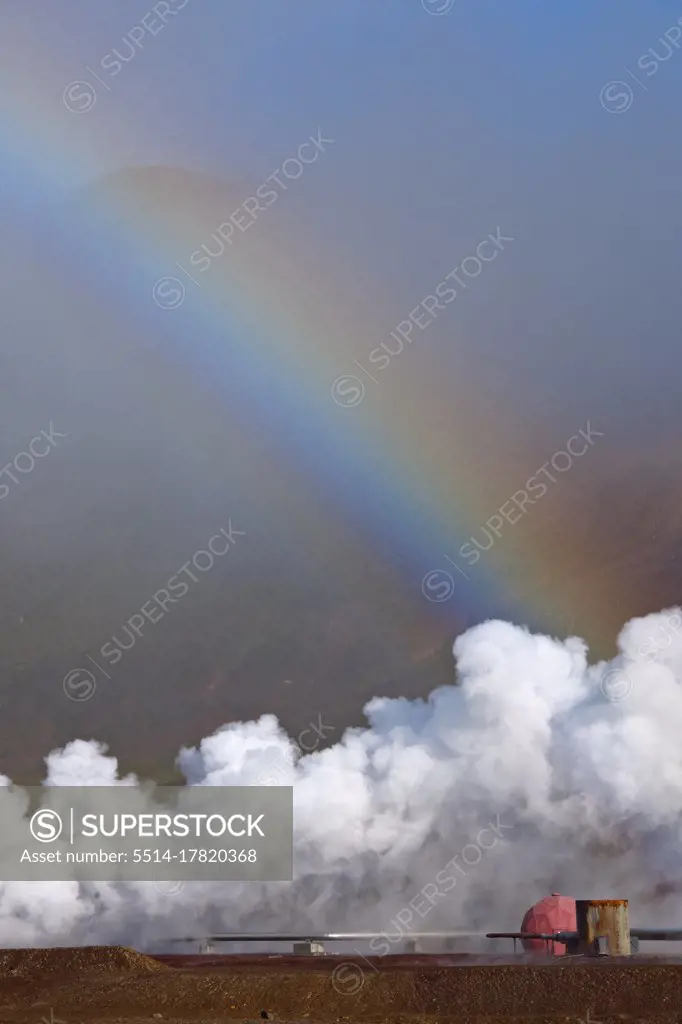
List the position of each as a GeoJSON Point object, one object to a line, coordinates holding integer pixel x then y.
{"type": "Point", "coordinates": [537, 773]}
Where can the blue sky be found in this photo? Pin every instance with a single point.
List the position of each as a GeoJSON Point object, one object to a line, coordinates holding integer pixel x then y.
{"type": "Point", "coordinates": [232, 83]}
{"type": "Point", "coordinates": [444, 127]}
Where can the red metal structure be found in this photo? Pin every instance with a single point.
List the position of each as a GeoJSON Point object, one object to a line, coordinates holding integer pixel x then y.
{"type": "Point", "coordinates": [554, 913]}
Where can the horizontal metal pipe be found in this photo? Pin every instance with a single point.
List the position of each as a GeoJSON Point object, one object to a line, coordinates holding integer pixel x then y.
{"type": "Point", "coordinates": [644, 934]}
{"type": "Point", "coordinates": [321, 937]}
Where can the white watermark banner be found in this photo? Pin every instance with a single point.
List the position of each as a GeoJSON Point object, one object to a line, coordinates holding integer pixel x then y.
{"type": "Point", "coordinates": [146, 834]}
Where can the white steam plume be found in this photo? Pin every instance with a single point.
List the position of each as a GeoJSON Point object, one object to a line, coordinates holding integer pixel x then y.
{"type": "Point", "coordinates": [573, 773]}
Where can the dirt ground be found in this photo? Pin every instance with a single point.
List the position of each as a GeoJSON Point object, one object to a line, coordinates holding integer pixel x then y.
{"type": "Point", "coordinates": [117, 985]}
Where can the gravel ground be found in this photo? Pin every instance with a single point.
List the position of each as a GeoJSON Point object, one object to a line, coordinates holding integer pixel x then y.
{"type": "Point", "coordinates": [116, 985]}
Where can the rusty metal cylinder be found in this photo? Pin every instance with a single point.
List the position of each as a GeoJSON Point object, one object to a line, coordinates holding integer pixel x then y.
{"type": "Point", "coordinates": [603, 927]}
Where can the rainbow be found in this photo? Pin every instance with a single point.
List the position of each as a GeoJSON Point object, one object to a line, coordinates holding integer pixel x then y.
{"type": "Point", "coordinates": [273, 340]}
